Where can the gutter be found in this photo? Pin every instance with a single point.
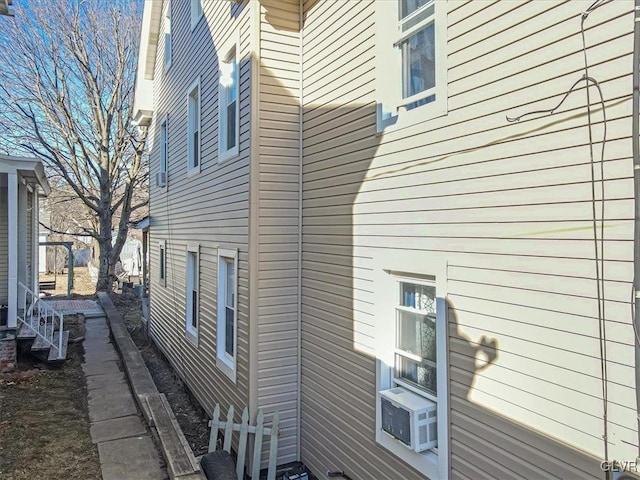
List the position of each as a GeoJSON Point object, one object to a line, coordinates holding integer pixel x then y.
{"type": "Point", "coordinates": [299, 292]}
{"type": "Point", "coordinates": [635, 131]}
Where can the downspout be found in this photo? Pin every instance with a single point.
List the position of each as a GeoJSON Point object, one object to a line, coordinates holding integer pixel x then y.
{"type": "Point", "coordinates": [300, 131]}
{"type": "Point", "coordinates": [635, 142]}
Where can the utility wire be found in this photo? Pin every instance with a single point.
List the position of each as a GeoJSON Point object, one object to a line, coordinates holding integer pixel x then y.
{"type": "Point", "coordinates": [599, 253]}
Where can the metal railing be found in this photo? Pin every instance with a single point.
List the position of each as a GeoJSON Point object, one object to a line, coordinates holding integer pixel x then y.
{"type": "Point", "coordinates": [42, 319]}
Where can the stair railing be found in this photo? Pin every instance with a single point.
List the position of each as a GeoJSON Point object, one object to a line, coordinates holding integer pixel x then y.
{"type": "Point", "coordinates": [41, 318]}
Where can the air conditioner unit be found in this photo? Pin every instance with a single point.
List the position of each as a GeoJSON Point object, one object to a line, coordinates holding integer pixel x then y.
{"type": "Point", "coordinates": [409, 418]}
{"type": "Point", "coordinates": [161, 179]}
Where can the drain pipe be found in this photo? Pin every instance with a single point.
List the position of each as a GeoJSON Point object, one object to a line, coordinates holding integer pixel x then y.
{"type": "Point", "coordinates": [635, 142]}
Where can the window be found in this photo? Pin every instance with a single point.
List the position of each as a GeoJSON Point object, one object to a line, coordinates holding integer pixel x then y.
{"type": "Point", "coordinates": [416, 45]}
{"type": "Point", "coordinates": [415, 350]}
{"type": "Point", "coordinates": [167, 35]}
{"type": "Point", "coordinates": [227, 312]}
{"type": "Point", "coordinates": [193, 130]}
{"type": "Point", "coordinates": [196, 12]}
{"type": "Point", "coordinates": [164, 146]}
{"type": "Point", "coordinates": [411, 366]}
{"type": "Point", "coordinates": [162, 263]}
{"type": "Point", "coordinates": [193, 267]}
{"type": "Point", "coordinates": [228, 104]}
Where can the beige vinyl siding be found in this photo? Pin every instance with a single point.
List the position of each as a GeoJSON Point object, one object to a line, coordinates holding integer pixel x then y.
{"type": "Point", "coordinates": [507, 206]}
{"type": "Point", "coordinates": [279, 149]}
{"type": "Point", "coordinates": [4, 247]}
{"type": "Point", "coordinates": [210, 208]}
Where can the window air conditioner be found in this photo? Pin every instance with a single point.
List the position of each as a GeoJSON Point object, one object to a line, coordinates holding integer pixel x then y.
{"type": "Point", "coordinates": [161, 179]}
{"type": "Point", "coordinates": [409, 418]}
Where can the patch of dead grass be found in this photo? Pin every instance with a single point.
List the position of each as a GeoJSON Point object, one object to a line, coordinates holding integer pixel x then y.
{"type": "Point", "coordinates": [44, 422]}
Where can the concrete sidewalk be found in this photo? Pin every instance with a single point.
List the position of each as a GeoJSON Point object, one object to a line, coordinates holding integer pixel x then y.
{"type": "Point", "coordinates": [126, 449]}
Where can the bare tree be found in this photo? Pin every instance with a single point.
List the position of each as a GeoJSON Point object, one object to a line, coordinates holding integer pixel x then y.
{"type": "Point", "coordinates": [66, 94]}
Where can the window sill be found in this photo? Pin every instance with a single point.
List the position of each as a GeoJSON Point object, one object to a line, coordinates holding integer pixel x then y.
{"type": "Point", "coordinates": [427, 462]}
{"type": "Point", "coordinates": [410, 118]}
{"type": "Point", "coordinates": [228, 155]}
{"type": "Point", "coordinates": [227, 367]}
{"type": "Point", "coordinates": [196, 21]}
{"type": "Point", "coordinates": [193, 171]}
{"type": "Point", "coordinates": [192, 336]}
{"type": "Point", "coordinates": [167, 66]}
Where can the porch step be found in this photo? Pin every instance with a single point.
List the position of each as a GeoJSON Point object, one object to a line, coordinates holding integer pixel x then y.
{"type": "Point", "coordinates": [40, 345]}
{"type": "Point", "coordinates": [25, 333]}
{"type": "Point", "coordinates": [53, 353]}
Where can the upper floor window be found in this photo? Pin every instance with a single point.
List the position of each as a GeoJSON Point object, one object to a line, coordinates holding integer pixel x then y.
{"type": "Point", "coordinates": [196, 12]}
{"type": "Point", "coordinates": [228, 104]}
{"type": "Point", "coordinates": [167, 35]}
{"type": "Point", "coordinates": [164, 146]}
{"type": "Point", "coordinates": [416, 46]}
{"type": "Point", "coordinates": [193, 128]}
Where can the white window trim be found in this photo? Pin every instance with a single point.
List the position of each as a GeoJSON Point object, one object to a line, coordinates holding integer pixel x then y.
{"type": "Point", "coordinates": [191, 170]}
{"type": "Point", "coordinates": [196, 16]}
{"type": "Point", "coordinates": [162, 244]}
{"type": "Point", "coordinates": [191, 332]}
{"type": "Point", "coordinates": [226, 365]}
{"type": "Point", "coordinates": [233, 44]}
{"type": "Point", "coordinates": [433, 465]}
{"type": "Point", "coordinates": [167, 25]}
{"type": "Point", "coordinates": [164, 147]}
{"type": "Point", "coordinates": [389, 70]}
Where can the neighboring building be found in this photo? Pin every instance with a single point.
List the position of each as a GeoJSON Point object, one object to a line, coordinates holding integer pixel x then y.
{"type": "Point", "coordinates": [5, 7]}
{"type": "Point", "coordinates": [22, 182]}
{"type": "Point", "coordinates": [340, 208]}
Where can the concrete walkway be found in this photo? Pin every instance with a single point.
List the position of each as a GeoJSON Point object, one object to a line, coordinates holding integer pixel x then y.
{"type": "Point", "coordinates": [126, 449]}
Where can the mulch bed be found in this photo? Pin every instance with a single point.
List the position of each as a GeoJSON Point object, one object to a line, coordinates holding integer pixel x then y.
{"type": "Point", "coordinates": [190, 416]}
{"type": "Point", "coordinates": [44, 419]}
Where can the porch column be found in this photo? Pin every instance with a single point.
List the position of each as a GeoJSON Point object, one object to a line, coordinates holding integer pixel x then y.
{"type": "Point", "coordinates": [22, 239]}
{"type": "Point", "coordinates": [35, 235]}
{"type": "Point", "coordinates": [12, 220]}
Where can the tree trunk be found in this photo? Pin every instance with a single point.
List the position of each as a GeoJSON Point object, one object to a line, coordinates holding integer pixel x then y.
{"type": "Point", "coordinates": [105, 263]}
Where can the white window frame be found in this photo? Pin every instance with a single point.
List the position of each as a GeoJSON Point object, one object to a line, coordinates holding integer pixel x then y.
{"type": "Point", "coordinates": [194, 124]}
{"type": "Point", "coordinates": [192, 282]}
{"type": "Point", "coordinates": [229, 53]}
{"type": "Point", "coordinates": [226, 363]}
{"type": "Point", "coordinates": [162, 262]}
{"type": "Point", "coordinates": [168, 44]}
{"type": "Point", "coordinates": [391, 107]}
{"type": "Point", "coordinates": [164, 146]}
{"type": "Point", "coordinates": [197, 12]}
{"type": "Point", "coordinates": [403, 266]}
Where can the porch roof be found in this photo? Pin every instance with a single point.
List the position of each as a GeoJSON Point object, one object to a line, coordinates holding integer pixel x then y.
{"type": "Point", "coordinates": [29, 168]}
